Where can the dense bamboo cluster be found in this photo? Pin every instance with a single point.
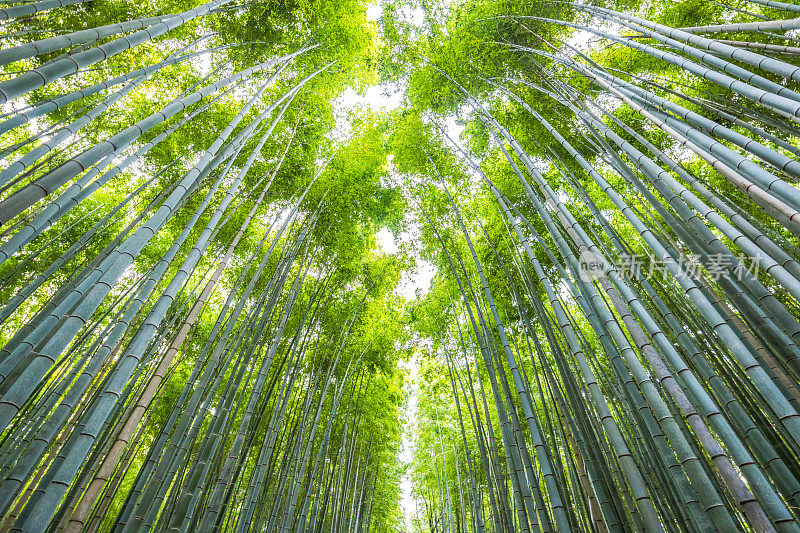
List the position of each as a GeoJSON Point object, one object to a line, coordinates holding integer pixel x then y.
{"type": "Point", "coordinates": [199, 331]}
{"type": "Point", "coordinates": [185, 355]}
{"type": "Point", "coordinates": [642, 372]}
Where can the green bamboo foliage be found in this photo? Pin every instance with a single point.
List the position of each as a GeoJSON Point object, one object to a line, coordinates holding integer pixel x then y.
{"type": "Point", "coordinates": [190, 355]}
{"type": "Point", "coordinates": [663, 365]}
{"type": "Point", "coordinates": [199, 332]}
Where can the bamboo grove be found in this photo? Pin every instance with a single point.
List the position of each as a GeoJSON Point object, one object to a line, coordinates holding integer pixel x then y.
{"type": "Point", "coordinates": [203, 346]}
{"type": "Point", "coordinates": [614, 333]}
{"type": "Point", "coordinates": [200, 331]}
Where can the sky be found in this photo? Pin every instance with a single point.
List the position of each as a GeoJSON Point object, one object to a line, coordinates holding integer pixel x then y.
{"type": "Point", "coordinates": [410, 284]}
{"type": "Point", "coordinates": [387, 97]}
{"type": "Point", "coordinates": [414, 283]}
{"type": "Point", "coordinates": [417, 281]}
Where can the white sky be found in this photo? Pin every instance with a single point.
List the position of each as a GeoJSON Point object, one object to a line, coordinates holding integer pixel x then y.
{"type": "Point", "coordinates": [374, 12]}
{"type": "Point", "coordinates": [386, 97]}
{"type": "Point", "coordinates": [412, 284]}
{"type": "Point", "coordinates": [407, 505]}
{"type": "Point", "coordinates": [417, 281]}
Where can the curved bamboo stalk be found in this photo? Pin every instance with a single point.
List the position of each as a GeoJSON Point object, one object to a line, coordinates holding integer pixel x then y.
{"type": "Point", "coordinates": [41, 76]}
{"type": "Point", "coordinates": [770, 25]}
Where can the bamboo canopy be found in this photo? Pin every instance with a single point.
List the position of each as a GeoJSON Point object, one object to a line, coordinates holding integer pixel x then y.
{"type": "Point", "coordinates": [202, 327]}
